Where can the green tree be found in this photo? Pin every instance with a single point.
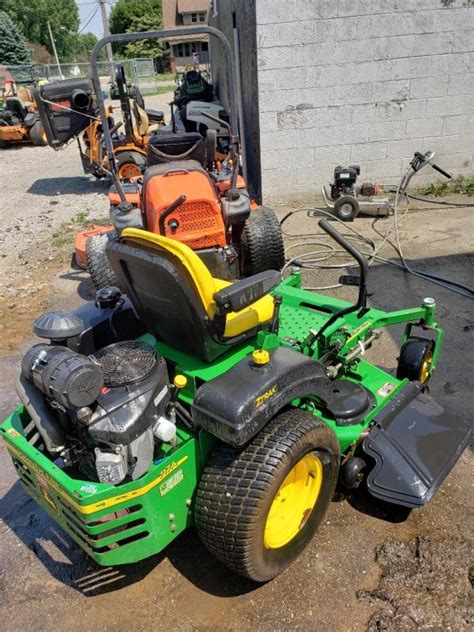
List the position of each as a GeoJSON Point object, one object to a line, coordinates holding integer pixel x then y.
{"type": "Point", "coordinates": [83, 45]}
{"type": "Point", "coordinates": [135, 15]}
{"type": "Point", "coordinates": [145, 48]}
{"type": "Point", "coordinates": [13, 48]}
{"type": "Point", "coordinates": [32, 18]}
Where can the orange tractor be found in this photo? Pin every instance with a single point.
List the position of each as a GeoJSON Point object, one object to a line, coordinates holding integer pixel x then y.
{"type": "Point", "coordinates": [68, 110]}
{"type": "Point", "coordinates": [20, 121]}
{"type": "Point", "coordinates": [189, 191]}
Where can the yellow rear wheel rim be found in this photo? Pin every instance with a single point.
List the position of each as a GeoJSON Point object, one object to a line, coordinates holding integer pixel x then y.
{"type": "Point", "coordinates": [293, 502]}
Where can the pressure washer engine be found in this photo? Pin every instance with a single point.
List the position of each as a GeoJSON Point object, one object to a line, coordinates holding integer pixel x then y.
{"type": "Point", "coordinates": [100, 414]}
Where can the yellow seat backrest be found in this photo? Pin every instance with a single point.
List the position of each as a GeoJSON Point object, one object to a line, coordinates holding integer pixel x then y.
{"type": "Point", "coordinates": [203, 280]}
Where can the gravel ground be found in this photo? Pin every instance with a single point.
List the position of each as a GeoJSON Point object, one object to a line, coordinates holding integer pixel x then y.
{"type": "Point", "coordinates": [370, 566]}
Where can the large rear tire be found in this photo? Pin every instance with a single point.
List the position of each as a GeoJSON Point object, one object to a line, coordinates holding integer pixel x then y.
{"type": "Point", "coordinates": [98, 265]}
{"type": "Point", "coordinates": [38, 135]}
{"type": "Point", "coordinates": [257, 509]}
{"type": "Point", "coordinates": [262, 243]}
{"type": "Point", "coordinates": [129, 164]}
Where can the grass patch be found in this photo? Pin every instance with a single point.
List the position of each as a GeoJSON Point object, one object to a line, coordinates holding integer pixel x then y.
{"type": "Point", "coordinates": [60, 241]}
{"type": "Point", "coordinates": [441, 188]}
{"type": "Point", "coordinates": [159, 90]}
{"type": "Point", "coordinates": [166, 76]}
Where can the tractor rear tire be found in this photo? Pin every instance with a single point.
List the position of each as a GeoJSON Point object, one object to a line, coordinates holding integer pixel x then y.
{"type": "Point", "coordinates": [257, 509]}
{"type": "Point", "coordinates": [129, 164]}
{"type": "Point", "coordinates": [98, 265]}
{"type": "Point", "coordinates": [262, 243]}
{"type": "Point", "coordinates": [37, 134]}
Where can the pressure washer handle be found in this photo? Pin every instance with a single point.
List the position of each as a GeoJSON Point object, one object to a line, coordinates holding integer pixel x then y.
{"type": "Point", "coordinates": [352, 250]}
{"type": "Point", "coordinates": [441, 171]}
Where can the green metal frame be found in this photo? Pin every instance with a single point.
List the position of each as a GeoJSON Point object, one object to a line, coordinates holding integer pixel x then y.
{"type": "Point", "coordinates": [127, 523]}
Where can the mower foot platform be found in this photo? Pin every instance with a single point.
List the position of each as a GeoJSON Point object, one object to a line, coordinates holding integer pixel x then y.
{"type": "Point", "coordinates": [414, 444]}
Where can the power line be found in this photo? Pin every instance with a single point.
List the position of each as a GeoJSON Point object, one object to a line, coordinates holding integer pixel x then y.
{"type": "Point", "coordinates": [89, 20]}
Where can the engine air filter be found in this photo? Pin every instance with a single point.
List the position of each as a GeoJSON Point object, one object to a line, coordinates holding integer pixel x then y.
{"type": "Point", "coordinates": [127, 362]}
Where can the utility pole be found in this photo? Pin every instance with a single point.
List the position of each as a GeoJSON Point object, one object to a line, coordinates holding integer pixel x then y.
{"type": "Point", "coordinates": [105, 23]}
{"type": "Point", "coordinates": [55, 51]}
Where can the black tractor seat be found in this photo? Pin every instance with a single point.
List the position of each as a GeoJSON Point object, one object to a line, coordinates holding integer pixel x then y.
{"type": "Point", "coordinates": [181, 303]}
{"type": "Point", "coordinates": [155, 116]}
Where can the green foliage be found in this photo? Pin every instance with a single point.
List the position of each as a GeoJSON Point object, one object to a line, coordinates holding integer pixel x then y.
{"type": "Point", "coordinates": [441, 188]}
{"type": "Point", "coordinates": [32, 17]}
{"type": "Point", "coordinates": [13, 49]}
{"type": "Point", "coordinates": [145, 48]}
{"type": "Point", "coordinates": [83, 45]}
{"type": "Point", "coordinates": [137, 15]}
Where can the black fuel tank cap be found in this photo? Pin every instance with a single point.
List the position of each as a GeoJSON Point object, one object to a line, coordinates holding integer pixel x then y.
{"type": "Point", "coordinates": [58, 325]}
{"type": "Point", "coordinates": [349, 402]}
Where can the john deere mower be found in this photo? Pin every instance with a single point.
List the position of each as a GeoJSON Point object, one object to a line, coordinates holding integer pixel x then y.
{"type": "Point", "coordinates": [68, 110]}
{"type": "Point", "coordinates": [194, 100]}
{"type": "Point", "coordinates": [192, 192]}
{"type": "Point", "coordinates": [20, 122]}
{"type": "Point", "coordinates": [234, 407]}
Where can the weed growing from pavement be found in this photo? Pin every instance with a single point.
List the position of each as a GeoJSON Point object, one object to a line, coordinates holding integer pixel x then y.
{"type": "Point", "coordinates": [442, 188]}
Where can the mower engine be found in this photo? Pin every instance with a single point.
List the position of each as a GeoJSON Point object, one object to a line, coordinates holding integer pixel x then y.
{"type": "Point", "coordinates": [101, 414]}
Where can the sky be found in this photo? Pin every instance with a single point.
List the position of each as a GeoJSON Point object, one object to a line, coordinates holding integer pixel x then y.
{"type": "Point", "coordinates": [86, 9]}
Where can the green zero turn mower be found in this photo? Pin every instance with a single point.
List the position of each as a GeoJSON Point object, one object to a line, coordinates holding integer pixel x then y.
{"type": "Point", "coordinates": [184, 399]}
{"type": "Point", "coordinates": [234, 407]}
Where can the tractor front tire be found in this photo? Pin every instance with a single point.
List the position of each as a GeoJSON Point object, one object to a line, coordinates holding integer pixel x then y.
{"type": "Point", "coordinates": [262, 243]}
{"type": "Point", "coordinates": [98, 265]}
{"type": "Point", "coordinates": [257, 509]}
{"type": "Point", "coordinates": [129, 164]}
{"type": "Point", "coordinates": [38, 135]}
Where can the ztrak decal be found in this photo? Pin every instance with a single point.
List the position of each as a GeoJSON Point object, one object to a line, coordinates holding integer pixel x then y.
{"type": "Point", "coordinates": [263, 398]}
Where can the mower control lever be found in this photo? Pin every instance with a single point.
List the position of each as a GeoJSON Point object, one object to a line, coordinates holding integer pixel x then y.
{"type": "Point", "coordinates": [354, 252]}
{"type": "Point", "coordinates": [364, 271]}
{"type": "Point", "coordinates": [441, 171]}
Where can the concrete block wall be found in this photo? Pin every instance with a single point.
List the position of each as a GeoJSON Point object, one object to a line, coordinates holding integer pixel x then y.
{"type": "Point", "coordinates": [362, 81]}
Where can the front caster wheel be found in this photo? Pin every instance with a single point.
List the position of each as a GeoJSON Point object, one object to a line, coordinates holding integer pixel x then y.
{"type": "Point", "coordinates": [257, 509]}
{"type": "Point", "coordinates": [416, 358]}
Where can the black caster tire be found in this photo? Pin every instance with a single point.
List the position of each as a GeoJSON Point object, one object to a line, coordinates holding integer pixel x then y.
{"type": "Point", "coordinates": [262, 243]}
{"type": "Point", "coordinates": [38, 135]}
{"type": "Point", "coordinates": [257, 509]}
{"type": "Point", "coordinates": [346, 208]}
{"type": "Point", "coordinates": [98, 264]}
{"type": "Point", "coordinates": [416, 356]}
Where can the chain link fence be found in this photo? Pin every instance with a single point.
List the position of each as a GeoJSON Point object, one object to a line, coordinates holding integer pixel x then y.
{"type": "Point", "coordinates": [140, 72]}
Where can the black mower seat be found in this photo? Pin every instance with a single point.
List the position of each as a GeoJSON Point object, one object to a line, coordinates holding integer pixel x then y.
{"type": "Point", "coordinates": [169, 147]}
{"type": "Point", "coordinates": [181, 303]}
{"type": "Point", "coordinates": [16, 105]}
{"type": "Point", "coordinates": [155, 116]}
